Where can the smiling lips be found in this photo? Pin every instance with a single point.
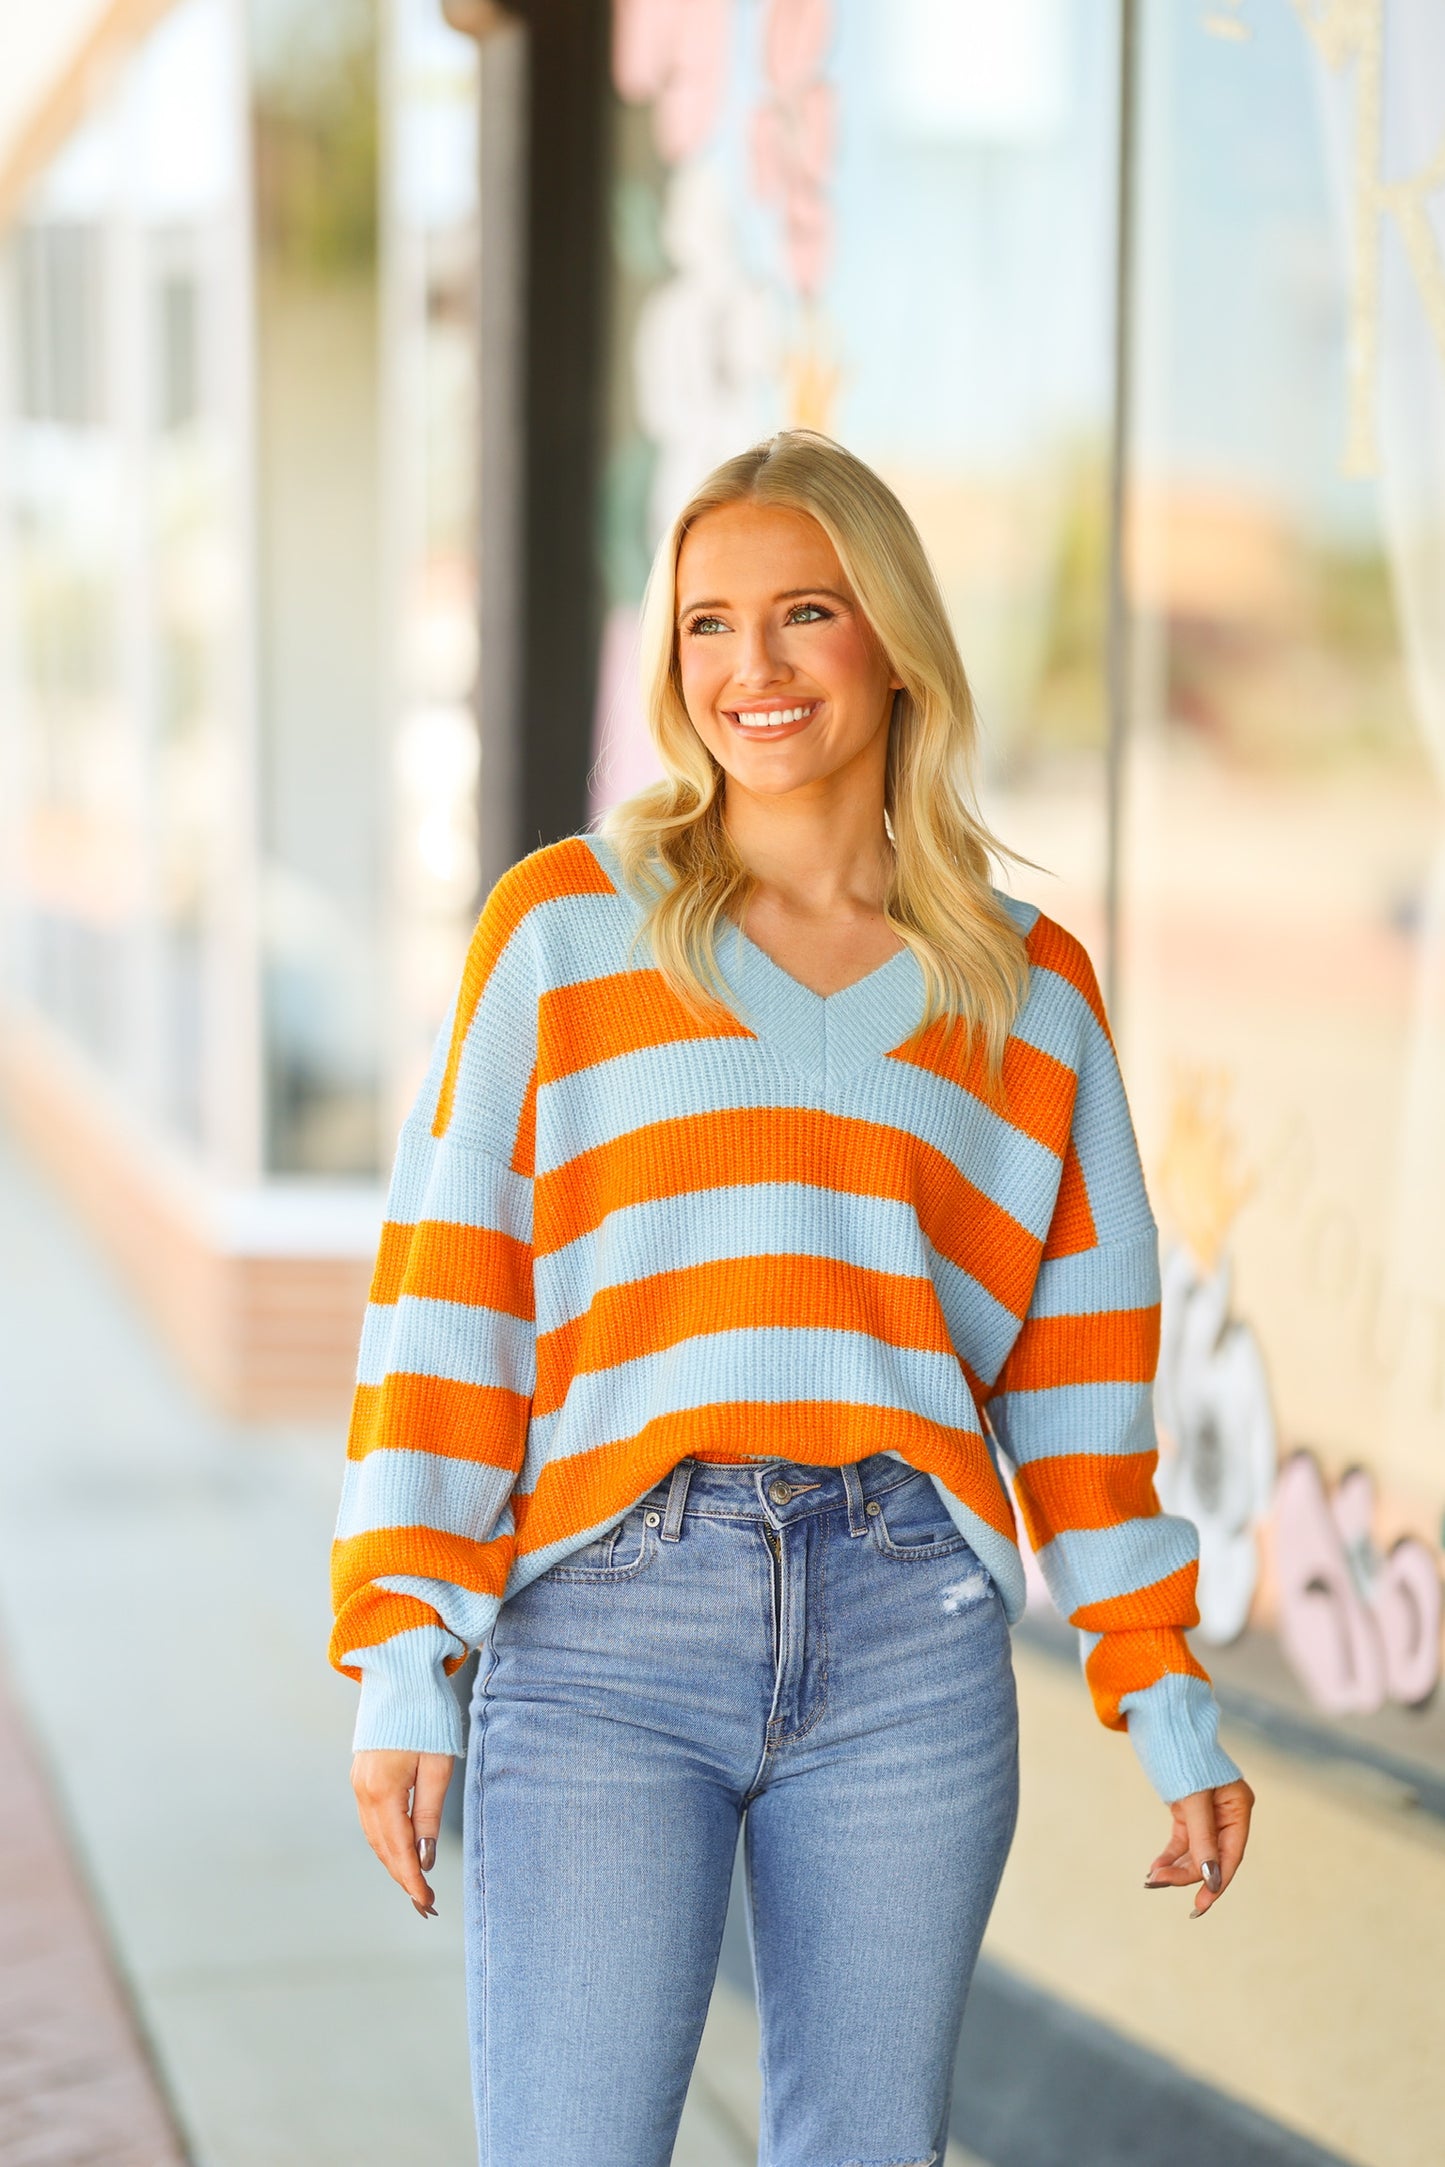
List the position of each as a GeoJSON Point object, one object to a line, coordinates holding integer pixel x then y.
{"type": "Point", "coordinates": [757, 721]}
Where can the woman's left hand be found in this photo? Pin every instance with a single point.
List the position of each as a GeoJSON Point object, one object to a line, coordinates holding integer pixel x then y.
{"type": "Point", "coordinates": [1206, 1843]}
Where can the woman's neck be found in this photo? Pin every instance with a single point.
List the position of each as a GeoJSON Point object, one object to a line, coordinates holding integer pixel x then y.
{"type": "Point", "coordinates": [813, 861]}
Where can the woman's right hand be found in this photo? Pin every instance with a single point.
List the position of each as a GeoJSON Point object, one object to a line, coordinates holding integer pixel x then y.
{"type": "Point", "coordinates": [399, 1797]}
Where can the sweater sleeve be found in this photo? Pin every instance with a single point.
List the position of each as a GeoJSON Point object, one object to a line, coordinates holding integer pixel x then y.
{"type": "Point", "coordinates": [1073, 1410]}
{"type": "Point", "coordinates": [424, 1536]}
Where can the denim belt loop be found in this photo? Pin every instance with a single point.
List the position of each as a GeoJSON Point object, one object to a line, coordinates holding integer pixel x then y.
{"type": "Point", "coordinates": [677, 1500]}
{"type": "Point", "coordinates": [853, 1491]}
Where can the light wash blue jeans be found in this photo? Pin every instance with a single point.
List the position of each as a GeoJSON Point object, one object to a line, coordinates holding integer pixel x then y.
{"type": "Point", "coordinates": [814, 1652]}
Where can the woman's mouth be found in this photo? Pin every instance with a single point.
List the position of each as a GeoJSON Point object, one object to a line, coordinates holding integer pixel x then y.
{"type": "Point", "coordinates": [779, 719]}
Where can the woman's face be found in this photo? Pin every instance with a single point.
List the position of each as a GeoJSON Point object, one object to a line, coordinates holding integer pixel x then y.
{"type": "Point", "coordinates": [785, 682]}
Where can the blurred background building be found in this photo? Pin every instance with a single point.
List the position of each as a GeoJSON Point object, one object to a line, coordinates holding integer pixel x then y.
{"type": "Point", "coordinates": [353, 354]}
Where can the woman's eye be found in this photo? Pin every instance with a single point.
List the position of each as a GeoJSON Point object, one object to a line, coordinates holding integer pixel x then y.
{"type": "Point", "coordinates": [707, 624]}
{"type": "Point", "coordinates": [803, 613]}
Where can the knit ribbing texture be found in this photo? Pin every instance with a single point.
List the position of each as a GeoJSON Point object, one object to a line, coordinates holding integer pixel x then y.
{"type": "Point", "coordinates": [620, 1233]}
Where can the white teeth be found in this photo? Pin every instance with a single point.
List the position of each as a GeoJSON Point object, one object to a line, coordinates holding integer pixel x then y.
{"type": "Point", "coordinates": [774, 719]}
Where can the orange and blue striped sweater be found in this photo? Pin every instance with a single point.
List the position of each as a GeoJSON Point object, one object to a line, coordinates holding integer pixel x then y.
{"type": "Point", "coordinates": [620, 1233]}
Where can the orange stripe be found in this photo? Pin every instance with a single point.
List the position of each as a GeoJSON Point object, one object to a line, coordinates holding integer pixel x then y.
{"type": "Point", "coordinates": [371, 1616]}
{"type": "Point", "coordinates": [1170, 1601]}
{"type": "Point", "coordinates": [391, 1258]}
{"type": "Point", "coordinates": [623, 1012]}
{"type": "Point", "coordinates": [1085, 1489]}
{"type": "Point", "coordinates": [446, 1262]}
{"type": "Point", "coordinates": [730, 1293]}
{"type": "Point", "coordinates": [424, 1553]}
{"type": "Point", "coordinates": [749, 1144]}
{"type": "Point", "coordinates": [1071, 1230]}
{"type": "Point", "coordinates": [1052, 949]}
{"type": "Point", "coordinates": [481, 1422]}
{"type": "Point", "coordinates": [1118, 1346]}
{"type": "Point", "coordinates": [1132, 1662]}
{"type": "Point", "coordinates": [1035, 1093]}
{"type": "Point", "coordinates": [587, 1488]}
{"type": "Point", "coordinates": [561, 869]}
{"type": "Point", "coordinates": [524, 1143]}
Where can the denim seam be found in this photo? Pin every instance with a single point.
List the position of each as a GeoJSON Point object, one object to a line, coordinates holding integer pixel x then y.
{"type": "Point", "coordinates": [791, 1737]}
{"type": "Point", "coordinates": [481, 1701]}
{"type": "Point", "coordinates": [920, 1553]}
{"type": "Point", "coordinates": [604, 1575]}
{"type": "Point", "coordinates": [809, 1512]}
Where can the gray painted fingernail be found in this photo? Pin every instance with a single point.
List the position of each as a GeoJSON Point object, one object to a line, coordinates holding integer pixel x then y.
{"type": "Point", "coordinates": [426, 1851]}
{"type": "Point", "coordinates": [1212, 1877]}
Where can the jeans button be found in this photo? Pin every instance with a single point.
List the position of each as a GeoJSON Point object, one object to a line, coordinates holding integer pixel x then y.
{"type": "Point", "coordinates": [779, 1492]}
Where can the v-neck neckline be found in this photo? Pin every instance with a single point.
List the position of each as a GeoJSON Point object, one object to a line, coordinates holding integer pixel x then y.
{"type": "Point", "coordinates": [812, 991]}
{"type": "Point", "coordinates": [826, 1035]}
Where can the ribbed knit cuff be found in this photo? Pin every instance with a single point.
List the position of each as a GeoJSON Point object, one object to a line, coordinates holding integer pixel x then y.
{"type": "Point", "coordinates": [407, 1705]}
{"type": "Point", "coordinates": [1174, 1729]}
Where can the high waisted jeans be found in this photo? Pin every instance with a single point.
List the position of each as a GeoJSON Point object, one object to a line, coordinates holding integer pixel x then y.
{"type": "Point", "coordinates": [815, 1652]}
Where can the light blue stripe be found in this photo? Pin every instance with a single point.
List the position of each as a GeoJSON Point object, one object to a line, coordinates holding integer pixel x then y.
{"type": "Point", "coordinates": [498, 1052]}
{"type": "Point", "coordinates": [581, 937]}
{"type": "Point", "coordinates": [1123, 1276]}
{"type": "Point", "coordinates": [394, 1488]}
{"type": "Point", "coordinates": [446, 1179]}
{"type": "Point", "coordinates": [1100, 1418]}
{"type": "Point", "coordinates": [597, 1105]}
{"type": "Point", "coordinates": [1052, 1017]}
{"type": "Point", "coordinates": [458, 1340]}
{"type": "Point", "coordinates": [1093, 1564]}
{"type": "Point", "coordinates": [407, 1705]}
{"type": "Point", "coordinates": [1024, 915]}
{"type": "Point", "coordinates": [1104, 1139]}
{"type": "Point", "coordinates": [1173, 1728]}
{"type": "Point", "coordinates": [1018, 1174]}
{"type": "Point", "coordinates": [981, 1329]}
{"type": "Point", "coordinates": [771, 1366]}
{"type": "Point", "coordinates": [779, 1218]}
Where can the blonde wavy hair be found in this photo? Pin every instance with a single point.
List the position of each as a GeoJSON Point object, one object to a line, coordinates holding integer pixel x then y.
{"type": "Point", "coordinates": [676, 855]}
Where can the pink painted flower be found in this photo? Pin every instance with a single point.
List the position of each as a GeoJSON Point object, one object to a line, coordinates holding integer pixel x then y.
{"type": "Point", "coordinates": [675, 55]}
{"type": "Point", "coordinates": [794, 135]}
{"type": "Point", "coordinates": [1359, 1626]}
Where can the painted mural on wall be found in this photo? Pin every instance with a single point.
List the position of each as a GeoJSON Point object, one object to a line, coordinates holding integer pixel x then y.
{"type": "Point", "coordinates": [1218, 1448]}
{"type": "Point", "coordinates": [1359, 1622]}
{"type": "Point", "coordinates": [724, 230]}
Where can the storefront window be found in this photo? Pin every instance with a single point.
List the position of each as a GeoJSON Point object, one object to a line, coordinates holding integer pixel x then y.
{"type": "Point", "coordinates": [123, 546]}
{"type": "Point", "coordinates": [1284, 999]}
{"type": "Point", "coordinates": [431, 257]}
{"type": "Point", "coordinates": [892, 222]}
{"type": "Point", "coordinates": [321, 656]}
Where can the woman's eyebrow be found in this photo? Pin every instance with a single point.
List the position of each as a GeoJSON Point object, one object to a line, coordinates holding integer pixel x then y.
{"type": "Point", "coordinates": [789, 594]}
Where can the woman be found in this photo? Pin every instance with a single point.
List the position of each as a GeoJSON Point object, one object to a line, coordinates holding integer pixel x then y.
{"type": "Point", "coordinates": [773, 1180]}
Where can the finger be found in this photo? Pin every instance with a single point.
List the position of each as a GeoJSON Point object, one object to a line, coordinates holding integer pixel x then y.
{"type": "Point", "coordinates": [388, 1830]}
{"type": "Point", "coordinates": [433, 1774]}
{"type": "Point", "coordinates": [1233, 1822]}
{"type": "Point", "coordinates": [1170, 1872]}
{"type": "Point", "coordinates": [1199, 1820]}
{"type": "Point", "coordinates": [1171, 1868]}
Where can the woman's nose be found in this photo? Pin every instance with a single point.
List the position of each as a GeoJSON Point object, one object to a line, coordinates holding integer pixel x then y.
{"type": "Point", "coordinates": [758, 663]}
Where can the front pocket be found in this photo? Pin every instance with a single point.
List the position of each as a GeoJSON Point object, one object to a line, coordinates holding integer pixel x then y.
{"type": "Point", "coordinates": [913, 1522]}
{"type": "Point", "coordinates": [617, 1555]}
